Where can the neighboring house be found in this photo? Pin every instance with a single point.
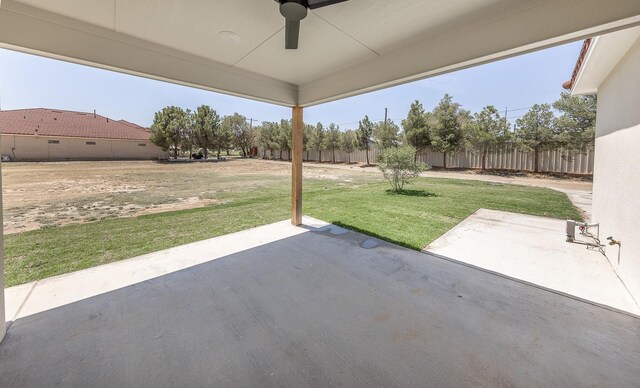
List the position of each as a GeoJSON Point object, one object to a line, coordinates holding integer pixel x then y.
{"type": "Point", "coordinates": [49, 135]}
{"type": "Point", "coordinates": [609, 65]}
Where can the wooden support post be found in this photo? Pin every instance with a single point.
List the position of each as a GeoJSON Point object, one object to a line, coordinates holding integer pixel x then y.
{"type": "Point", "coordinates": [296, 166]}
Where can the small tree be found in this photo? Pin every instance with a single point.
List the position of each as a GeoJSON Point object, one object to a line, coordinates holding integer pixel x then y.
{"type": "Point", "coordinates": [399, 167]}
{"type": "Point", "coordinates": [535, 131]}
{"type": "Point", "coordinates": [206, 128]}
{"type": "Point", "coordinates": [332, 140]}
{"type": "Point", "coordinates": [348, 143]}
{"type": "Point", "coordinates": [416, 128]}
{"type": "Point", "coordinates": [364, 133]}
{"type": "Point", "coordinates": [316, 140]}
{"type": "Point", "coordinates": [447, 132]}
{"type": "Point", "coordinates": [167, 130]}
{"type": "Point", "coordinates": [485, 131]}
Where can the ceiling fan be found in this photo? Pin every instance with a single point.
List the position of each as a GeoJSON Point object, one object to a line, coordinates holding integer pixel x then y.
{"type": "Point", "coordinates": [296, 10]}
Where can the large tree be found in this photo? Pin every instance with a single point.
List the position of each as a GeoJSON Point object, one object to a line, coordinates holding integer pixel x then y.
{"type": "Point", "coordinates": [268, 137]}
{"type": "Point", "coordinates": [244, 136]}
{"type": "Point", "coordinates": [206, 128]}
{"type": "Point", "coordinates": [348, 143]}
{"type": "Point", "coordinates": [223, 139]}
{"type": "Point", "coordinates": [188, 134]}
{"type": "Point", "coordinates": [447, 131]}
{"type": "Point", "coordinates": [167, 130]}
{"type": "Point", "coordinates": [316, 140]}
{"type": "Point", "coordinates": [535, 131]}
{"type": "Point", "coordinates": [364, 134]}
{"type": "Point", "coordinates": [416, 128]}
{"type": "Point", "coordinates": [332, 140]}
{"type": "Point", "coordinates": [576, 125]}
{"type": "Point", "coordinates": [386, 134]}
{"type": "Point", "coordinates": [284, 138]}
{"type": "Point", "coordinates": [307, 134]}
{"type": "Point", "coordinates": [486, 131]}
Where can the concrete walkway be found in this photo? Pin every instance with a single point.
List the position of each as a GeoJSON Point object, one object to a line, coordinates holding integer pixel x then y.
{"type": "Point", "coordinates": [534, 250]}
{"type": "Point", "coordinates": [316, 306]}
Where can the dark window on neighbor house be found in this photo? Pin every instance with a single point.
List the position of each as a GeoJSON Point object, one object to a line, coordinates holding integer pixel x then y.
{"type": "Point", "coordinates": [91, 143]}
{"type": "Point", "coordinates": [141, 145]}
{"type": "Point", "coordinates": [54, 141]}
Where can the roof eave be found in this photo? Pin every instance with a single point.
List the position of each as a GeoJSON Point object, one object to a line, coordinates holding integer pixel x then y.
{"type": "Point", "coordinates": [578, 85]}
{"type": "Point", "coordinates": [601, 58]}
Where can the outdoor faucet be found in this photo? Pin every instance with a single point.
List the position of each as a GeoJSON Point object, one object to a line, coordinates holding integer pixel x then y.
{"type": "Point", "coordinates": [613, 242]}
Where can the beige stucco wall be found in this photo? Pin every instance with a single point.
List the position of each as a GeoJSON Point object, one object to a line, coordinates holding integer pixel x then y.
{"type": "Point", "coordinates": [616, 185]}
{"type": "Point", "coordinates": [38, 148]}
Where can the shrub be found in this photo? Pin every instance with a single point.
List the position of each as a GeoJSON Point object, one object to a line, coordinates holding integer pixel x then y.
{"type": "Point", "coordinates": [399, 167]}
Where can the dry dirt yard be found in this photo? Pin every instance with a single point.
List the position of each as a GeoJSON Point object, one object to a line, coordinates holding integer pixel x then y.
{"type": "Point", "coordinates": [37, 195]}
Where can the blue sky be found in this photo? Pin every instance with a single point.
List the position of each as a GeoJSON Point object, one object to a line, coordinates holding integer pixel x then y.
{"type": "Point", "coordinates": [28, 81]}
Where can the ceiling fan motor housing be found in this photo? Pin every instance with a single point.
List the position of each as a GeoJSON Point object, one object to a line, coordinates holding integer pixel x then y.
{"type": "Point", "coordinates": [295, 10]}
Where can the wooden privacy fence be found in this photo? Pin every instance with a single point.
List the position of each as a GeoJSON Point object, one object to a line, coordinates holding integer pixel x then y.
{"type": "Point", "coordinates": [507, 158]}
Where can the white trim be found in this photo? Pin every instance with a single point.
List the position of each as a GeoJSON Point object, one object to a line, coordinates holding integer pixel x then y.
{"type": "Point", "coordinates": [587, 57]}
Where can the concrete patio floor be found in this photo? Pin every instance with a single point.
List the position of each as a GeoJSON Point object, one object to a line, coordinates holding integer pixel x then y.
{"type": "Point", "coordinates": [314, 306]}
{"type": "Point", "coordinates": [534, 250]}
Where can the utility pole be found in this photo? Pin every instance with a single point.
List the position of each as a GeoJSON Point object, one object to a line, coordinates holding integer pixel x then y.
{"type": "Point", "coordinates": [250, 129]}
{"type": "Point", "coordinates": [506, 112]}
{"type": "Point", "coordinates": [385, 120]}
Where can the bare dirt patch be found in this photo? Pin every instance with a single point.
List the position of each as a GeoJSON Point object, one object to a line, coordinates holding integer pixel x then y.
{"type": "Point", "coordinates": [40, 195]}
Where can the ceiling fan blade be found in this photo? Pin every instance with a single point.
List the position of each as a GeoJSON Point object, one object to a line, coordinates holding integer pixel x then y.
{"type": "Point", "coordinates": [291, 34]}
{"type": "Point", "coordinates": [313, 4]}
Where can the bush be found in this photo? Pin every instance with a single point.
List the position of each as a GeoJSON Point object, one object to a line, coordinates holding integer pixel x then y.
{"type": "Point", "coordinates": [398, 166]}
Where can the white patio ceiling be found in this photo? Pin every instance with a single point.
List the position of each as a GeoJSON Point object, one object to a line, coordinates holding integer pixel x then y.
{"type": "Point", "coordinates": [345, 49]}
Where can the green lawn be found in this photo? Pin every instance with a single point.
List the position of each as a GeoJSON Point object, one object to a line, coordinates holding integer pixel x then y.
{"type": "Point", "coordinates": [413, 219]}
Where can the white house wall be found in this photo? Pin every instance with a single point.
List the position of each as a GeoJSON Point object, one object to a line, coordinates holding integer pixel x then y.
{"type": "Point", "coordinates": [616, 188]}
{"type": "Point", "coordinates": [39, 148]}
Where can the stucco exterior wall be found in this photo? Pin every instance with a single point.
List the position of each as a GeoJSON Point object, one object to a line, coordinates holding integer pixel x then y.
{"type": "Point", "coordinates": [43, 148]}
{"type": "Point", "coordinates": [616, 185]}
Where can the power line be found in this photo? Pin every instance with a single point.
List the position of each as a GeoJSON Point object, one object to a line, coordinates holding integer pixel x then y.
{"type": "Point", "coordinates": [514, 110]}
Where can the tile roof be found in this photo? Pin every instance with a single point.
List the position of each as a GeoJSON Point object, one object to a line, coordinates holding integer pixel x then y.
{"type": "Point", "coordinates": [583, 54]}
{"type": "Point", "coordinates": [52, 122]}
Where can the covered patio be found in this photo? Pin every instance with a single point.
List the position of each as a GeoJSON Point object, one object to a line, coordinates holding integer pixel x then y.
{"type": "Point", "coordinates": [305, 304]}
{"type": "Point", "coordinates": [315, 305]}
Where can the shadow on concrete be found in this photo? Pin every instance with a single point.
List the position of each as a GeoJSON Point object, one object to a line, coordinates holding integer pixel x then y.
{"type": "Point", "coordinates": [372, 234]}
{"type": "Point", "coordinates": [316, 309]}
